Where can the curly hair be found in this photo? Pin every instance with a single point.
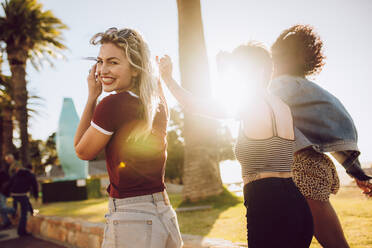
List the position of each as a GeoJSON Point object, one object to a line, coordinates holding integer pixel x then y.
{"type": "Point", "coordinates": [300, 48]}
{"type": "Point", "coordinates": [145, 84]}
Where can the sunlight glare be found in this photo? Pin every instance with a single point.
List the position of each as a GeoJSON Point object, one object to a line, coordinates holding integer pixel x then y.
{"type": "Point", "coordinates": [234, 88]}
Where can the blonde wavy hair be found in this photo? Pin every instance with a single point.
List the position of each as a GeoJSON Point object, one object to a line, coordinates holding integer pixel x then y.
{"type": "Point", "coordinates": [145, 84]}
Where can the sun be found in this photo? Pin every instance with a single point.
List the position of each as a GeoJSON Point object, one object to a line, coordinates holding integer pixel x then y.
{"type": "Point", "coordinates": [233, 90]}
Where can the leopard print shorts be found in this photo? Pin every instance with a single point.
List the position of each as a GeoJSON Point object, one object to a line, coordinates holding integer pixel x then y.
{"type": "Point", "coordinates": [315, 175]}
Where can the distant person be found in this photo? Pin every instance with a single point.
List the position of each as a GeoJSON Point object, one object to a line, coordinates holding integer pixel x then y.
{"type": "Point", "coordinates": [4, 193]}
{"type": "Point", "coordinates": [11, 164]}
{"type": "Point", "coordinates": [130, 125]}
{"type": "Point", "coordinates": [22, 182]}
{"type": "Point", "coordinates": [324, 126]}
{"type": "Point", "coordinates": [277, 213]}
{"type": "Point", "coordinates": [30, 208]}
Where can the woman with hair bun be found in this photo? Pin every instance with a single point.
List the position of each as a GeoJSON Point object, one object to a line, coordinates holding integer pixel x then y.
{"type": "Point", "coordinates": [277, 213]}
{"type": "Point", "coordinates": [131, 126]}
{"type": "Point", "coordinates": [322, 125]}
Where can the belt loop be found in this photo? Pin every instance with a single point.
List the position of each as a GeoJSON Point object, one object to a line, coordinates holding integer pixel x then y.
{"type": "Point", "coordinates": [114, 204]}
{"type": "Point", "coordinates": [165, 196]}
{"type": "Point", "coordinates": [153, 198]}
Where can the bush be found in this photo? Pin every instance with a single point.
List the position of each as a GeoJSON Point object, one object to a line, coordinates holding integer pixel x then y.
{"type": "Point", "coordinates": [63, 191]}
{"type": "Point", "coordinates": [174, 166]}
{"type": "Point", "coordinates": [94, 188]}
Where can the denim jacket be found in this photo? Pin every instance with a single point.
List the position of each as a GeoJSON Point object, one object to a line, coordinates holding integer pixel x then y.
{"type": "Point", "coordinates": [321, 121]}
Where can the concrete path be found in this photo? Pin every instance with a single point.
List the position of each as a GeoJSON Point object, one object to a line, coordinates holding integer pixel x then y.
{"type": "Point", "coordinates": [10, 239]}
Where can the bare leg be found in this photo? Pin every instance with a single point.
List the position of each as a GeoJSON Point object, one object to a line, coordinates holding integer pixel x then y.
{"type": "Point", "coordinates": [327, 227]}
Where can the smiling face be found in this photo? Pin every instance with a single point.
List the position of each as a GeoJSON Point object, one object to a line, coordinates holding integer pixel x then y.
{"type": "Point", "coordinates": [113, 69]}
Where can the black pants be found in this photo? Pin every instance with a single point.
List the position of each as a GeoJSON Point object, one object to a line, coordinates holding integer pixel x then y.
{"type": "Point", "coordinates": [24, 202]}
{"type": "Point", "coordinates": [30, 208]}
{"type": "Point", "coordinates": [277, 214]}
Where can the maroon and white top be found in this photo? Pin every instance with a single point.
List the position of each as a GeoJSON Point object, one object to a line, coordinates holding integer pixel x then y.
{"type": "Point", "coordinates": [134, 167]}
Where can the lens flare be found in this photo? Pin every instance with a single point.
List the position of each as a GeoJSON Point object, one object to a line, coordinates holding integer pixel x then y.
{"type": "Point", "coordinates": [122, 165]}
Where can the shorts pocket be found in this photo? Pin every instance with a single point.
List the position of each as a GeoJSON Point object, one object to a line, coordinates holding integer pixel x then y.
{"type": "Point", "coordinates": [174, 232]}
{"type": "Point", "coordinates": [132, 233]}
{"type": "Point", "coordinates": [108, 235]}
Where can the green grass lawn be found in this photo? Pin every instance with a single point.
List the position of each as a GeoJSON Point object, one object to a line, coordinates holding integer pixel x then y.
{"type": "Point", "coordinates": [226, 217]}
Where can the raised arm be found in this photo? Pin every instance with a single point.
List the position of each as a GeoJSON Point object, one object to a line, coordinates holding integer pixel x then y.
{"type": "Point", "coordinates": [88, 142]}
{"type": "Point", "coordinates": [206, 107]}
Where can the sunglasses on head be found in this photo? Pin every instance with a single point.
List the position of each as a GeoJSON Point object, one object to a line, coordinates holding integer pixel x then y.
{"type": "Point", "coordinates": [123, 33]}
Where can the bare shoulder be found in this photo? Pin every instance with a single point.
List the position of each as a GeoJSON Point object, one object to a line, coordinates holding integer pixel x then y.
{"type": "Point", "coordinates": [253, 104]}
{"type": "Point", "coordinates": [283, 117]}
{"type": "Point", "coordinates": [279, 106]}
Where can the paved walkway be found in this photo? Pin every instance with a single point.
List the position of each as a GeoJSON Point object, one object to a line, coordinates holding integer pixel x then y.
{"type": "Point", "coordinates": [10, 239]}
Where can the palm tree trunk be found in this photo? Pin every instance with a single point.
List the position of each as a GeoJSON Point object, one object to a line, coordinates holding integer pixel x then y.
{"type": "Point", "coordinates": [17, 58]}
{"type": "Point", "coordinates": [7, 131]}
{"type": "Point", "coordinates": [1, 140]}
{"type": "Point", "coordinates": [201, 175]}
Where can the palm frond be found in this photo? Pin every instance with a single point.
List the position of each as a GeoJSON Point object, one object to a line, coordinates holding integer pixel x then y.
{"type": "Point", "coordinates": [26, 26]}
{"type": "Point", "coordinates": [35, 105]}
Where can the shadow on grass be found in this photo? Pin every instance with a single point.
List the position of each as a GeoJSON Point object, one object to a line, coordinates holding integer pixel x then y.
{"type": "Point", "coordinates": [224, 200]}
{"type": "Point", "coordinates": [202, 221]}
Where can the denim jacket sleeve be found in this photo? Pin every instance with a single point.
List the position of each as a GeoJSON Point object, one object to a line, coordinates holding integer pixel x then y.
{"type": "Point", "coordinates": [353, 167]}
{"type": "Point", "coordinates": [321, 121]}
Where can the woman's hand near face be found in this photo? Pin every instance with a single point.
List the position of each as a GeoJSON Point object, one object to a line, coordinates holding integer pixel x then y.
{"type": "Point", "coordinates": [85, 134]}
{"type": "Point", "coordinates": [94, 86]}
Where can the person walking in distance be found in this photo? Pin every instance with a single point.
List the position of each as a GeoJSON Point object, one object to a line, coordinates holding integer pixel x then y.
{"type": "Point", "coordinates": [22, 182]}
{"type": "Point", "coordinates": [4, 193]}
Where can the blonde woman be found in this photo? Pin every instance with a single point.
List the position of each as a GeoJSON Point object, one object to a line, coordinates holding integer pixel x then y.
{"type": "Point", "coordinates": [131, 126]}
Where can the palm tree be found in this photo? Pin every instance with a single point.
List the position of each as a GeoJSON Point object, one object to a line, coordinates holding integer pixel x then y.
{"type": "Point", "coordinates": [6, 113]}
{"type": "Point", "coordinates": [201, 176]}
{"type": "Point", "coordinates": [29, 33]}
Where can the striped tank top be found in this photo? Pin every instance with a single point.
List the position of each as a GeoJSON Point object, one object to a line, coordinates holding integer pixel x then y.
{"type": "Point", "coordinates": [274, 154]}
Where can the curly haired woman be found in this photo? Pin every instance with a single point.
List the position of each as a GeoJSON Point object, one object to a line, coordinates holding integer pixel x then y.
{"type": "Point", "coordinates": [322, 125]}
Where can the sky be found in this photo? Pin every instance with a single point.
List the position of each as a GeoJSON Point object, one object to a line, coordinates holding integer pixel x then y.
{"type": "Point", "coordinates": [343, 25]}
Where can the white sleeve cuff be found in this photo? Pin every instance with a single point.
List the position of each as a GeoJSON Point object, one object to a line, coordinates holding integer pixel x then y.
{"type": "Point", "coordinates": [100, 129]}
